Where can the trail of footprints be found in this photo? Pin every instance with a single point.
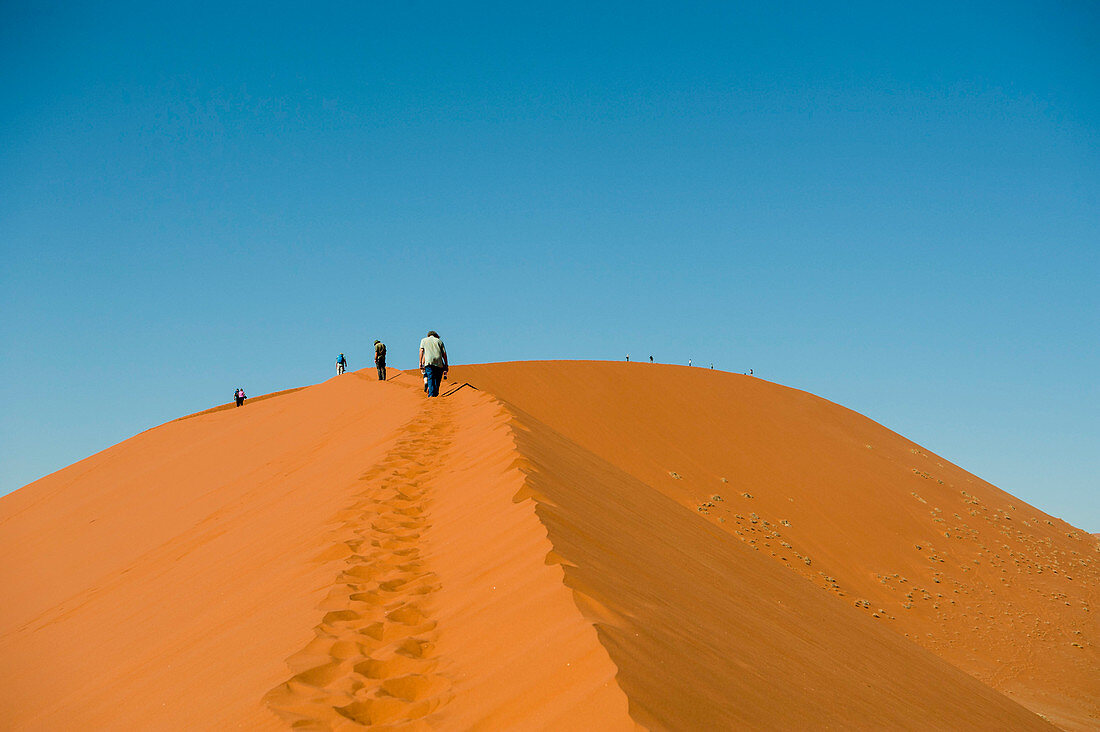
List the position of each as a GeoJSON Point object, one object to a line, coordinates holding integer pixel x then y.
{"type": "Point", "coordinates": [371, 661]}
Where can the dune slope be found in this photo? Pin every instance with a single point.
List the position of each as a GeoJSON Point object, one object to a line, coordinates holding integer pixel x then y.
{"type": "Point", "coordinates": [708, 634]}
{"type": "Point", "coordinates": [988, 583]}
{"type": "Point", "coordinates": [157, 581]}
{"type": "Point", "coordinates": [528, 552]}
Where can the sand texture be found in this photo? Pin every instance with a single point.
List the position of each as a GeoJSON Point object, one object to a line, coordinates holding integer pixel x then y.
{"type": "Point", "coordinates": [551, 545]}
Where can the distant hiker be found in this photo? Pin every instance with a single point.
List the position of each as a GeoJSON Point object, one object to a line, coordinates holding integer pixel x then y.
{"type": "Point", "coordinates": [238, 396]}
{"type": "Point", "coordinates": [380, 359]}
{"type": "Point", "coordinates": [689, 362]}
{"type": "Point", "coordinates": [628, 358]}
{"type": "Point", "coordinates": [750, 372]}
{"type": "Point", "coordinates": [341, 364]}
{"type": "Point", "coordinates": [651, 359]}
{"type": "Point", "coordinates": [433, 359]}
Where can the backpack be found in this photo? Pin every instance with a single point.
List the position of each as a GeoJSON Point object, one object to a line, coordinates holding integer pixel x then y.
{"type": "Point", "coordinates": [380, 352]}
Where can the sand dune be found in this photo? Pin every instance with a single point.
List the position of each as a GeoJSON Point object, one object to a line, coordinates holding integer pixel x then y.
{"type": "Point", "coordinates": [561, 545]}
{"type": "Point", "coordinates": [985, 581]}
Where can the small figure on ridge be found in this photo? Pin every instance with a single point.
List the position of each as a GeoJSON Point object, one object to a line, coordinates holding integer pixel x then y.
{"type": "Point", "coordinates": [380, 359]}
{"type": "Point", "coordinates": [238, 396]}
{"type": "Point", "coordinates": [341, 364]}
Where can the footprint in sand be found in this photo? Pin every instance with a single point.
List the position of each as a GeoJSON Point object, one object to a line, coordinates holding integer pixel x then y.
{"type": "Point", "coordinates": [371, 659]}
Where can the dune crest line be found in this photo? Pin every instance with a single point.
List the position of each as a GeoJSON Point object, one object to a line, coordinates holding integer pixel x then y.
{"type": "Point", "coordinates": [372, 659]}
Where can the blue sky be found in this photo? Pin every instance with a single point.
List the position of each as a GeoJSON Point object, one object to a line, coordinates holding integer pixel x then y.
{"type": "Point", "coordinates": [895, 208]}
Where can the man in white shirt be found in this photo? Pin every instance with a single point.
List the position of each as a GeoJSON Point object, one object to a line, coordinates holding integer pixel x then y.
{"type": "Point", "coordinates": [433, 361]}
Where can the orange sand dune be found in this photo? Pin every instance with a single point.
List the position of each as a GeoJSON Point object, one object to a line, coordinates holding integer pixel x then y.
{"type": "Point", "coordinates": [985, 581]}
{"type": "Point", "coordinates": [558, 546]}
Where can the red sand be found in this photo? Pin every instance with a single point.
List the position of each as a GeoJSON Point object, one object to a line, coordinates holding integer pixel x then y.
{"type": "Point", "coordinates": [566, 545]}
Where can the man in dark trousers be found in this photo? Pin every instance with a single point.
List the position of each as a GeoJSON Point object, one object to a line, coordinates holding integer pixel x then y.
{"type": "Point", "coordinates": [380, 359]}
{"type": "Point", "coordinates": [433, 361]}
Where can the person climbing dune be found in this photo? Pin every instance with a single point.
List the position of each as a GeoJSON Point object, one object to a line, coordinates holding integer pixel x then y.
{"type": "Point", "coordinates": [380, 359]}
{"type": "Point", "coordinates": [341, 364]}
{"type": "Point", "coordinates": [433, 360]}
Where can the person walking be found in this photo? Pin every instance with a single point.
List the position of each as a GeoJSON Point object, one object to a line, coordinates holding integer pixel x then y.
{"type": "Point", "coordinates": [433, 360]}
{"type": "Point", "coordinates": [380, 359]}
{"type": "Point", "coordinates": [341, 364]}
{"type": "Point", "coordinates": [238, 396]}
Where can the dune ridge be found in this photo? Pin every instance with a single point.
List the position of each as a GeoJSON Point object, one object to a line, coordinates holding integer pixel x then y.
{"type": "Point", "coordinates": [419, 553]}
{"type": "Point", "coordinates": [554, 545]}
{"type": "Point", "coordinates": [371, 659]}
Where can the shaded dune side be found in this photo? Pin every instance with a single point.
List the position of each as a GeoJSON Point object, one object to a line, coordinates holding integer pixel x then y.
{"type": "Point", "coordinates": [985, 581]}
{"type": "Point", "coordinates": [708, 634]}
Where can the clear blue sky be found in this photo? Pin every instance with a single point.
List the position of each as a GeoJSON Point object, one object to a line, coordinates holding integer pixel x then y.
{"type": "Point", "coordinates": [896, 208]}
